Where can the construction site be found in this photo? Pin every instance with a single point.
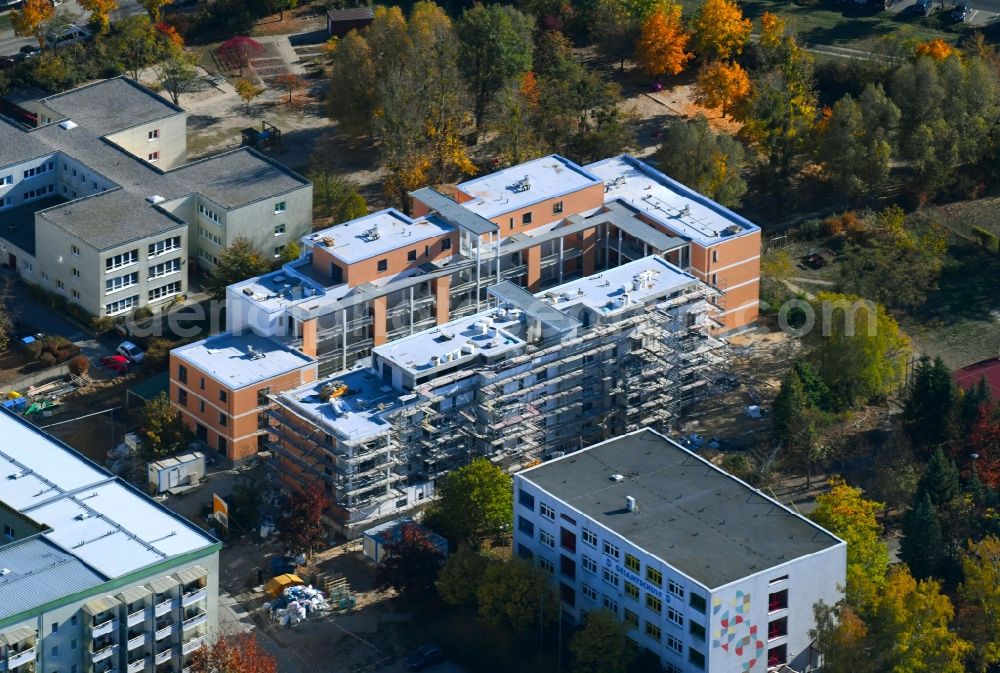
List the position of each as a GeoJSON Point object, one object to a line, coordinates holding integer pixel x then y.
{"type": "Point", "coordinates": [527, 379]}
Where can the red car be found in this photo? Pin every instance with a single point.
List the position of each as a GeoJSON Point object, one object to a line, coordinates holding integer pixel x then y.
{"type": "Point", "coordinates": [116, 363]}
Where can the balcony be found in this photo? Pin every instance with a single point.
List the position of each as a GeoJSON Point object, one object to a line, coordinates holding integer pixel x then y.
{"type": "Point", "coordinates": [137, 665]}
{"type": "Point", "coordinates": [192, 622]}
{"type": "Point", "coordinates": [193, 644]}
{"type": "Point", "coordinates": [193, 597]}
{"type": "Point", "coordinates": [164, 631]}
{"type": "Point", "coordinates": [104, 628]}
{"type": "Point", "coordinates": [20, 658]}
{"type": "Point", "coordinates": [165, 655]}
{"type": "Point", "coordinates": [103, 653]}
{"type": "Point", "coordinates": [163, 607]}
{"type": "Point", "coordinates": [136, 641]}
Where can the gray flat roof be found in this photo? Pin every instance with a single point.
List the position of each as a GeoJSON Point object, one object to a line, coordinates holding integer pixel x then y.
{"type": "Point", "coordinates": [693, 516]}
{"type": "Point", "coordinates": [19, 146]}
{"type": "Point", "coordinates": [111, 218]}
{"type": "Point", "coordinates": [517, 296]}
{"type": "Point", "coordinates": [111, 105]}
{"type": "Point", "coordinates": [18, 224]}
{"type": "Point", "coordinates": [40, 572]}
{"type": "Point", "coordinates": [236, 178]}
{"type": "Point", "coordinates": [453, 211]}
{"type": "Point", "coordinates": [240, 360]}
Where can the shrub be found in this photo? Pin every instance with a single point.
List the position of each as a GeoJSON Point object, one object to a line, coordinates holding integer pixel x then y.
{"type": "Point", "coordinates": [79, 365]}
{"type": "Point", "coordinates": [47, 359]}
{"type": "Point", "coordinates": [845, 223]}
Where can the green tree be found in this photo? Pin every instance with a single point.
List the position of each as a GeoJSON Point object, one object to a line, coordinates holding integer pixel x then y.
{"type": "Point", "coordinates": [410, 565]}
{"type": "Point", "coordinates": [857, 348]}
{"type": "Point", "coordinates": [134, 44]}
{"type": "Point", "coordinates": [475, 502]}
{"type": "Point", "coordinates": [302, 530]}
{"type": "Point", "coordinates": [512, 122]}
{"type": "Point", "coordinates": [289, 253]}
{"type": "Point", "coordinates": [496, 48]}
{"type": "Point", "coordinates": [615, 25]}
{"type": "Point", "coordinates": [931, 404]}
{"type": "Point", "coordinates": [922, 544]}
{"type": "Point", "coordinates": [154, 8]}
{"type": "Point", "coordinates": [599, 647]}
{"type": "Point", "coordinates": [708, 162]}
{"type": "Point", "coordinates": [178, 74]}
{"type": "Point", "coordinates": [940, 480]}
{"type": "Point", "coordinates": [352, 100]}
{"type": "Point", "coordinates": [248, 91]}
{"type": "Point", "coordinates": [335, 196]}
{"type": "Point", "coordinates": [238, 262]}
{"type": "Point", "coordinates": [845, 513]}
{"type": "Point", "coordinates": [841, 635]}
{"type": "Point", "coordinates": [515, 594]}
{"type": "Point", "coordinates": [979, 602]}
{"type": "Point", "coordinates": [460, 578]}
{"type": "Point", "coordinates": [163, 431]}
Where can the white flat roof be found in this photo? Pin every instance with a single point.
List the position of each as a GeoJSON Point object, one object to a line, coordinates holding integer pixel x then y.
{"type": "Point", "coordinates": [668, 202]}
{"type": "Point", "coordinates": [503, 191]}
{"type": "Point", "coordinates": [85, 511]}
{"type": "Point", "coordinates": [461, 340]}
{"type": "Point", "coordinates": [240, 360]}
{"type": "Point", "coordinates": [354, 241]}
{"type": "Point", "coordinates": [640, 280]}
{"type": "Point", "coordinates": [277, 290]}
{"type": "Point", "coordinates": [353, 416]}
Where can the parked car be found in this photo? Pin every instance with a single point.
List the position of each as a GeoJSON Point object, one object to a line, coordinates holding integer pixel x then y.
{"type": "Point", "coordinates": [962, 11]}
{"type": "Point", "coordinates": [29, 50]}
{"type": "Point", "coordinates": [424, 656]}
{"type": "Point", "coordinates": [130, 351]}
{"type": "Point", "coordinates": [71, 35]}
{"type": "Point", "coordinates": [116, 363]}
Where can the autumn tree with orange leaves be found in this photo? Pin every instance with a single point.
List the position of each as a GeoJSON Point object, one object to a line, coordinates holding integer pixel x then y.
{"type": "Point", "coordinates": [661, 47]}
{"type": "Point", "coordinates": [937, 49]}
{"type": "Point", "coordinates": [28, 22]}
{"type": "Point", "coordinates": [720, 30]}
{"type": "Point", "coordinates": [241, 653]}
{"type": "Point", "coordinates": [721, 85]}
{"type": "Point", "coordinates": [100, 12]}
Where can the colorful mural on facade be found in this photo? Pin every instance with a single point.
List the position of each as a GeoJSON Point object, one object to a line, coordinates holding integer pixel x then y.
{"type": "Point", "coordinates": [733, 633]}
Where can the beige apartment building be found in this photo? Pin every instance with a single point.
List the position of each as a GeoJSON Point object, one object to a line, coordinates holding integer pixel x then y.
{"type": "Point", "coordinates": [102, 206]}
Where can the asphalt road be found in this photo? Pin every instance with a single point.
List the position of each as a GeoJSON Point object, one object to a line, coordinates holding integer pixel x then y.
{"type": "Point", "coordinates": [11, 43]}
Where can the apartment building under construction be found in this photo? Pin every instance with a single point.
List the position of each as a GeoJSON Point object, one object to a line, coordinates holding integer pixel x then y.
{"type": "Point", "coordinates": [529, 378]}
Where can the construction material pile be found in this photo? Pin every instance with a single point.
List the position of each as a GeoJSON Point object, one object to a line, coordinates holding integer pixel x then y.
{"type": "Point", "coordinates": [297, 604]}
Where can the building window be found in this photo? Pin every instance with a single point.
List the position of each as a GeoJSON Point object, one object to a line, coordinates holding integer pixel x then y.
{"type": "Point", "coordinates": [164, 246]}
{"type": "Point", "coordinates": [223, 396]}
{"type": "Point", "coordinates": [546, 511]}
{"type": "Point", "coordinates": [165, 269]}
{"type": "Point", "coordinates": [263, 396]}
{"type": "Point", "coordinates": [279, 230]}
{"type": "Point", "coordinates": [524, 552]}
{"type": "Point", "coordinates": [777, 655]}
{"type": "Point", "coordinates": [675, 588]}
{"type": "Point", "coordinates": [182, 397]}
{"type": "Point", "coordinates": [631, 590]}
{"type": "Point", "coordinates": [201, 406]}
{"type": "Point", "coordinates": [76, 272]}
{"type": "Point", "coordinates": [222, 445]}
{"type": "Point", "coordinates": [446, 244]}
{"type": "Point", "coordinates": [280, 207]}
{"type": "Point", "coordinates": [55, 626]}
{"type": "Point", "coordinates": [75, 250]}
{"type": "Point", "coordinates": [715, 256]}
{"type": "Point", "coordinates": [201, 383]}
{"type": "Point", "coordinates": [223, 421]}
{"type": "Point", "coordinates": [674, 643]}
{"type": "Point", "coordinates": [715, 279]}
{"type": "Point", "coordinates": [610, 577]}
{"type": "Point", "coordinates": [383, 265]}
{"type": "Point", "coordinates": [654, 603]}
{"type": "Point", "coordinates": [567, 594]}
{"type": "Point", "coordinates": [777, 601]}
{"type": "Point", "coordinates": [526, 500]}
{"type": "Point", "coordinates": [567, 539]}
{"type": "Point", "coordinates": [411, 256]}
{"type": "Point", "coordinates": [510, 224]}
{"type": "Point", "coordinates": [154, 157]}
{"type": "Point", "coordinates": [154, 134]}
{"type": "Point", "coordinates": [121, 260]}
{"type": "Point", "coordinates": [118, 283]}
{"type": "Point", "coordinates": [6, 180]}
{"type": "Point", "coordinates": [697, 658]}
{"type": "Point", "coordinates": [525, 526]}
{"type": "Point", "coordinates": [611, 550]}
{"type": "Point", "coordinates": [589, 564]}
{"type": "Point", "coordinates": [630, 619]}
{"type": "Point", "coordinates": [182, 374]}
{"type": "Point", "coordinates": [632, 563]}
{"type": "Point", "coordinates": [209, 214]}
{"type": "Point", "coordinates": [168, 290]}
{"type": "Point", "coordinates": [696, 630]}
{"type": "Point", "coordinates": [546, 538]}
{"type": "Point", "coordinates": [567, 567]}
{"type": "Point", "coordinates": [546, 565]}
{"type": "Point", "coordinates": [675, 616]}
{"type": "Point", "coordinates": [654, 576]}
{"type": "Point", "coordinates": [653, 631]}
{"type": "Point", "coordinates": [60, 285]}
{"type": "Point", "coordinates": [76, 294]}
{"type": "Point", "coordinates": [610, 604]}
{"type": "Point", "coordinates": [698, 603]}
{"type": "Point", "coordinates": [590, 537]}
{"type": "Point", "coordinates": [588, 592]}
{"type": "Point", "coordinates": [278, 250]}
{"type": "Point", "coordinates": [777, 628]}
{"type": "Point", "coordinates": [557, 207]}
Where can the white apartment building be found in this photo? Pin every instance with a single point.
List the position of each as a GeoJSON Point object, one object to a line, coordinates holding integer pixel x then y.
{"type": "Point", "coordinates": [705, 571]}
{"type": "Point", "coordinates": [100, 205]}
{"type": "Point", "coordinates": [95, 577]}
